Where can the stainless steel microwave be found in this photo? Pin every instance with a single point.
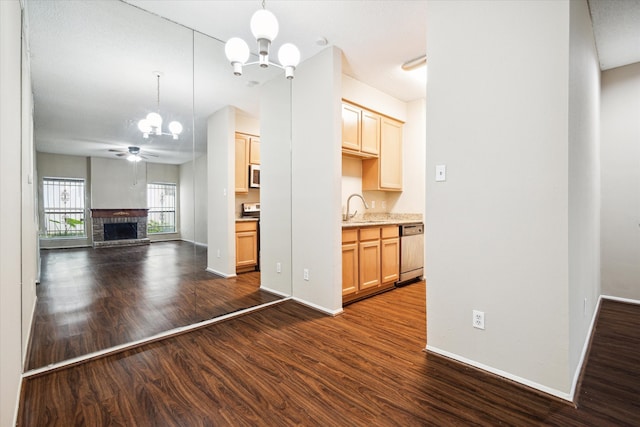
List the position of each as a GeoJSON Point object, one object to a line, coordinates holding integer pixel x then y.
{"type": "Point", "coordinates": [254, 176]}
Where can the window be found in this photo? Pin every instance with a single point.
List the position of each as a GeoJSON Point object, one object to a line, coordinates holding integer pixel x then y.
{"type": "Point", "coordinates": [63, 203]}
{"type": "Point", "coordinates": [161, 201]}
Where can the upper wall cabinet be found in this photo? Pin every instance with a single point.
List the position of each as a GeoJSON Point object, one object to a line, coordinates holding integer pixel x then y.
{"type": "Point", "coordinates": [254, 150]}
{"type": "Point", "coordinates": [385, 172]}
{"type": "Point", "coordinates": [247, 152]}
{"type": "Point", "coordinates": [360, 131]}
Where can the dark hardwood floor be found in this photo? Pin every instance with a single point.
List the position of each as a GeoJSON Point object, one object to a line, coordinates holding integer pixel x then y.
{"type": "Point", "coordinates": [290, 365]}
{"type": "Point", "coordinates": [93, 299]}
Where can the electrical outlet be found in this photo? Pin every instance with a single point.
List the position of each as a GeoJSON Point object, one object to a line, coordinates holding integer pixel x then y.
{"type": "Point", "coordinates": [478, 319]}
{"type": "Point", "coordinates": [278, 267]}
{"type": "Point", "coordinates": [305, 274]}
{"type": "Point", "coordinates": [384, 205]}
{"type": "Point", "coordinates": [373, 204]}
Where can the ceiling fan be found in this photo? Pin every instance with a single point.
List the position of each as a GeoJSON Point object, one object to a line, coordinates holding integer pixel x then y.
{"type": "Point", "coordinates": [132, 154]}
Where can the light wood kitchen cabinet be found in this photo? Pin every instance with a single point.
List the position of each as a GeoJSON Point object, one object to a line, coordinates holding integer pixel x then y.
{"type": "Point", "coordinates": [350, 127]}
{"type": "Point", "coordinates": [242, 163]}
{"type": "Point", "coordinates": [360, 131]}
{"type": "Point", "coordinates": [349, 261]}
{"type": "Point", "coordinates": [246, 246]}
{"type": "Point", "coordinates": [369, 257]}
{"type": "Point", "coordinates": [390, 254]}
{"type": "Point", "coordinates": [247, 152]}
{"type": "Point", "coordinates": [370, 260]}
{"type": "Point", "coordinates": [385, 172]}
{"type": "Point", "coordinates": [254, 150]}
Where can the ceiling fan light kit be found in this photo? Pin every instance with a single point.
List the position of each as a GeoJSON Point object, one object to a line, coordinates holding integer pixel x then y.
{"type": "Point", "coordinates": [152, 124]}
{"type": "Point", "coordinates": [264, 27]}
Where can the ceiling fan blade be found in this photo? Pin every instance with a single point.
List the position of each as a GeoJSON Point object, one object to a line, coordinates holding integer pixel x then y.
{"type": "Point", "coordinates": [113, 150]}
{"type": "Point", "coordinates": [122, 154]}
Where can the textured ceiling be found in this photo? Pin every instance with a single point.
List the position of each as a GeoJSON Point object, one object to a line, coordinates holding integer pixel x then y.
{"type": "Point", "coordinates": [616, 27]}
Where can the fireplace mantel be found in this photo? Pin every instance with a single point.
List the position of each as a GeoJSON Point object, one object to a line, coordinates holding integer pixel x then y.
{"type": "Point", "coordinates": [118, 213]}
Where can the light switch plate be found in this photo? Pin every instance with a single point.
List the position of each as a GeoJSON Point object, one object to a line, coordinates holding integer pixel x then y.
{"type": "Point", "coordinates": [441, 173]}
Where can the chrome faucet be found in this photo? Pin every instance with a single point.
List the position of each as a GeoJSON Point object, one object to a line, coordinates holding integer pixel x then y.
{"type": "Point", "coordinates": [346, 216]}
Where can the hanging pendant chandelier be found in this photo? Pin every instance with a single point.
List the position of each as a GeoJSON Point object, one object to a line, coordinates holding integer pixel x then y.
{"type": "Point", "coordinates": [264, 27]}
{"type": "Point", "coordinates": [152, 124]}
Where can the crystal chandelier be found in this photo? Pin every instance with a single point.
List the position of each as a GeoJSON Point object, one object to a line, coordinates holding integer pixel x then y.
{"type": "Point", "coordinates": [152, 124]}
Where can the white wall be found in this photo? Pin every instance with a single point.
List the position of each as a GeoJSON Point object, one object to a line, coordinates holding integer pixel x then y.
{"type": "Point", "coordinates": [193, 203]}
{"type": "Point", "coordinates": [114, 185]}
{"type": "Point", "coordinates": [316, 181]}
{"type": "Point", "coordinates": [584, 181]}
{"type": "Point", "coordinates": [275, 189]}
{"type": "Point", "coordinates": [30, 221]}
{"type": "Point", "coordinates": [221, 186]}
{"type": "Point", "coordinates": [497, 229]}
{"type": "Point", "coordinates": [10, 234]}
{"type": "Point", "coordinates": [620, 154]}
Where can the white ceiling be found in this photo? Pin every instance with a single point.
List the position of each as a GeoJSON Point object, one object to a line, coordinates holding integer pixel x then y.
{"type": "Point", "coordinates": [92, 61]}
{"type": "Point", "coordinates": [616, 27]}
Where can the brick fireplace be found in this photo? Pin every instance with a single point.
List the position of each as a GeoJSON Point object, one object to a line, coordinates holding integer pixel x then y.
{"type": "Point", "coordinates": [134, 220]}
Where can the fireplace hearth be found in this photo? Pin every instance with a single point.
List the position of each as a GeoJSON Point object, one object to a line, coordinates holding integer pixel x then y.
{"type": "Point", "coordinates": [119, 227]}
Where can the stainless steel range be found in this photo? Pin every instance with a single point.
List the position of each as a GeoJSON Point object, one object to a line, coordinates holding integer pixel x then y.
{"type": "Point", "coordinates": [411, 252]}
{"type": "Point", "coordinates": [251, 210]}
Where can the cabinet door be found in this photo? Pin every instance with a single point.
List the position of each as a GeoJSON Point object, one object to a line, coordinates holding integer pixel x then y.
{"type": "Point", "coordinates": [349, 268]}
{"type": "Point", "coordinates": [390, 154]}
{"type": "Point", "coordinates": [242, 163]}
{"type": "Point", "coordinates": [369, 258]}
{"type": "Point", "coordinates": [246, 249]}
{"type": "Point", "coordinates": [370, 133]}
{"type": "Point", "coordinates": [350, 127]}
{"type": "Point", "coordinates": [390, 264]}
{"type": "Point", "coordinates": [254, 151]}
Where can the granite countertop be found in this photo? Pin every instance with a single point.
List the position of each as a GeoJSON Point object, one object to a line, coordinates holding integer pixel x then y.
{"type": "Point", "coordinates": [381, 219]}
{"type": "Point", "coordinates": [247, 219]}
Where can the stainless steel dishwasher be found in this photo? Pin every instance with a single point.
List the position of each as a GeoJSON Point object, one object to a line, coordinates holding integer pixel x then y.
{"type": "Point", "coordinates": [411, 252]}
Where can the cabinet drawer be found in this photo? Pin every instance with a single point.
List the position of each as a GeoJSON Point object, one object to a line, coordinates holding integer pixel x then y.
{"type": "Point", "coordinates": [372, 233]}
{"type": "Point", "coordinates": [350, 235]}
{"type": "Point", "coordinates": [246, 226]}
{"type": "Point", "coordinates": [390, 231]}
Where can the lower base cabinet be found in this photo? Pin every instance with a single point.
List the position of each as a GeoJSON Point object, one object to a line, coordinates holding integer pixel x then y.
{"type": "Point", "coordinates": [370, 261]}
{"type": "Point", "coordinates": [246, 246]}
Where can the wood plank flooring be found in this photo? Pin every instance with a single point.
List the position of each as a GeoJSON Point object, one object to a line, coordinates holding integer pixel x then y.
{"type": "Point", "coordinates": [93, 299]}
{"type": "Point", "coordinates": [289, 365]}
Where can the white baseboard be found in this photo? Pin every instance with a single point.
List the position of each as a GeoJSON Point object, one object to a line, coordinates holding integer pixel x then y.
{"type": "Point", "coordinates": [318, 308]}
{"type": "Point", "coordinates": [507, 375]}
{"type": "Point", "coordinates": [274, 292]}
{"type": "Point", "coordinates": [225, 275]}
{"type": "Point", "coordinates": [585, 349]}
{"type": "Point", "coordinates": [619, 299]}
{"type": "Point", "coordinates": [33, 313]}
{"type": "Point", "coordinates": [204, 245]}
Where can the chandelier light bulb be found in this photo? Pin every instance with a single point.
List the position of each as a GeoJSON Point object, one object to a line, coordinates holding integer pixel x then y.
{"type": "Point", "coordinates": [154, 120]}
{"type": "Point", "coordinates": [289, 55]}
{"type": "Point", "coordinates": [264, 25]}
{"type": "Point", "coordinates": [175, 128]}
{"type": "Point", "coordinates": [236, 50]}
{"type": "Point", "coordinates": [144, 127]}
{"type": "Point", "coordinates": [133, 158]}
